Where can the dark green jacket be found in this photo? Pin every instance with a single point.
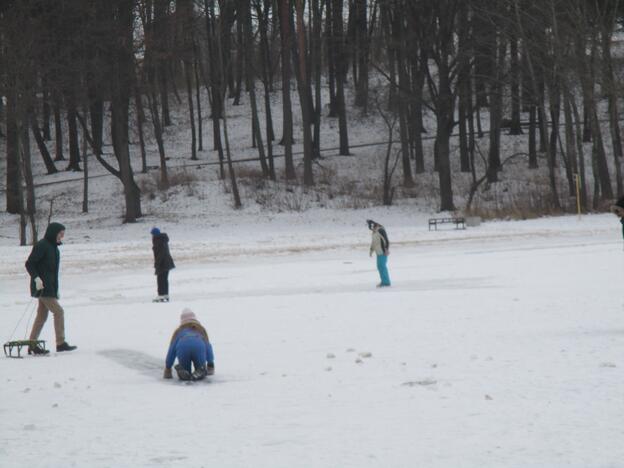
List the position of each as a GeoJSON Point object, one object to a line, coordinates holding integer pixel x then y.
{"type": "Point", "coordinates": [44, 262]}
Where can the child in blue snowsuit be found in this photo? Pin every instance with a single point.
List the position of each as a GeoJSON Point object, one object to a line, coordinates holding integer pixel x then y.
{"type": "Point", "coordinates": [190, 345]}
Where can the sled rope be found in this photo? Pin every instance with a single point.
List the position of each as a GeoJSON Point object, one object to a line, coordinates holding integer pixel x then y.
{"type": "Point", "coordinates": [32, 310]}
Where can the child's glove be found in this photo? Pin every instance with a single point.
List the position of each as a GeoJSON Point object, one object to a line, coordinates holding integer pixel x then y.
{"type": "Point", "coordinates": [167, 374]}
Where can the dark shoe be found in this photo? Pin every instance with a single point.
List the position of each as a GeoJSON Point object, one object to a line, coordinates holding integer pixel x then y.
{"type": "Point", "coordinates": [210, 369]}
{"type": "Point", "coordinates": [200, 373]}
{"type": "Point", "coordinates": [64, 346]}
{"type": "Point", "coordinates": [183, 374]}
{"type": "Point", "coordinates": [37, 350]}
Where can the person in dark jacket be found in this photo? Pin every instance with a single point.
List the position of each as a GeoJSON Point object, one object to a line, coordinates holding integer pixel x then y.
{"type": "Point", "coordinates": [162, 263]}
{"type": "Point", "coordinates": [618, 210]}
{"type": "Point", "coordinates": [190, 345]}
{"type": "Point", "coordinates": [43, 267]}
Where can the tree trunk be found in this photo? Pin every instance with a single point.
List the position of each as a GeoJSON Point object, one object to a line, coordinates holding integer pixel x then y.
{"type": "Point", "coordinates": [26, 167]}
{"type": "Point", "coordinates": [581, 156]}
{"type": "Point", "coordinates": [122, 68]}
{"type": "Point", "coordinates": [362, 52]}
{"type": "Point", "coordinates": [341, 71]}
{"type": "Point", "coordinates": [39, 139]}
{"type": "Point", "coordinates": [570, 143]}
{"type": "Point", "coordinates": [533, 137]}
{"type": "Point", "coordinates": [13, 180]}
{"type": "Point", "coordinates": [609, 86]}
{"type": "Point", "coordinates": [74, 148]}
{"type": "Point", "coordinates": [250, 83]}
{"type": "Point", "coordinates": [200, 130]}
{"type": "Point", "coordinates": [496, 108]}
{"type": "Point", "coordinates": [46, 113]}
{"type": "Point", "coordinates": [287, 131]}
{"type": "Point", "coordinates": [189, 95]}
{"type": "Point", "coordinates": [304, 98]}
{"type": "Point", "coordinates": [58, 131]}
{"type": "Point", "coordinates": [331, 60]}
{"type": "Point", "coordinates": [140, 119]}
{"type": "Point", "coordinates": [315, 59]}
{"type": "Point", "coordinates": [515, 128]}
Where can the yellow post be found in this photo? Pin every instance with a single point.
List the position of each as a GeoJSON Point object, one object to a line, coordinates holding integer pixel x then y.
{"type": "Point", "coordinates": [577, 180]}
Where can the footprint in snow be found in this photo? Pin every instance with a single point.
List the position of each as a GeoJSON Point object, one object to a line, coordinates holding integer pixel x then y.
{"type": "Point", "coordinates": [607, 364]}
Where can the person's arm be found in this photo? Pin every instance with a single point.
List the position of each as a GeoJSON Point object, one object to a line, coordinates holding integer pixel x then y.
{"type": "Point", "coordinates": [37, 253]}
{"type": "Point", "coordinates": [171, 354]}
{"type": "Point", "coordinates": [372, 246]}
{"type": "Point", "coordinates": [209, 354]}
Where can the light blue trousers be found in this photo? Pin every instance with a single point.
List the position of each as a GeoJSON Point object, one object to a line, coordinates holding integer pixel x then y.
{"type": "Point", "coordinates": [382, 267]}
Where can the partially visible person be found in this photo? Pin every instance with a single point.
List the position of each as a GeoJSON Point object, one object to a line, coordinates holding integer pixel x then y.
{"type": "Point", "coordinates": [43, 267]}
{"type": "Point", "coordinates": [191, 347]}
{"type": "Point", "coordinates": [618, 210]}
{"type": "Point", "coordinates": [163, 263]}
{"type": "Point", "coordinates": [380, 245]}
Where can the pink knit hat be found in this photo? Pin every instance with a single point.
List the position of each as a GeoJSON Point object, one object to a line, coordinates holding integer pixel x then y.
{"type": "Point", "coordinates": [187, 316]}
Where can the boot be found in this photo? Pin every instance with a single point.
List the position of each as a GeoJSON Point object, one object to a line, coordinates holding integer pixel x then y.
{"type": "Point", "coordinates": [183, 374]}
{"type": "Point", "coordinates": [37, 350]}
{"type": "Point", "coordinates": [64, 346]}
{"type": "Point", "coordinates": [200, 373]}
{"type": "Point", "coordinates": [210, 368]}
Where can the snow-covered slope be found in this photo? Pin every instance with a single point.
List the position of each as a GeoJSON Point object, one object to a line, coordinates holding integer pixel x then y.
{"type": "Point", "coordinates": [498, 346]}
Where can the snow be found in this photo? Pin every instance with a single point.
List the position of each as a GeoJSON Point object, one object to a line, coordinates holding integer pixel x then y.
{"type": "Point", "coordinates": [500, 346]}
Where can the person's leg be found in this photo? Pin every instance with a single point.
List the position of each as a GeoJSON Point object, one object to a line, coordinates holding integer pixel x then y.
{"type": "Point", "coordinates": [185, 355]}
{"type": "Point", "coordinates": [161, 279]}
{"type": "Point", "coordinates": [199, 360]}
{"type": "Point", "coordinates": [40, 320]}
{"type": "Point", "coordinates": [165, 283]}
{"type": "Point", "coordinates": [382, 266]}
{"type": "Point", "coordinates": [52, 304]}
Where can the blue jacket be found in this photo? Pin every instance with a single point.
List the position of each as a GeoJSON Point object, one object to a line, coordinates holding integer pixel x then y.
{"type": "Point", "coordinates": [188, 337]}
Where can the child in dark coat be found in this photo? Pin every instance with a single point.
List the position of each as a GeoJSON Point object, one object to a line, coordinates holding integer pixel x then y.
{"type": "Point", "coordinates": [190, 345]}
{"type": "Point", "coordinates": [618, 210]}
{"type": "Point", "coordinates": [162, 263]}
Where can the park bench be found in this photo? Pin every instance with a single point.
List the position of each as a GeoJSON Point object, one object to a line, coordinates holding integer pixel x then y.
{"type": "Point", "coordinates": [459, 222]}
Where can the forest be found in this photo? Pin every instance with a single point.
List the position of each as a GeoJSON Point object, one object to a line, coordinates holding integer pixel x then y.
{"type": "Point", "coordinates": [76, 73]}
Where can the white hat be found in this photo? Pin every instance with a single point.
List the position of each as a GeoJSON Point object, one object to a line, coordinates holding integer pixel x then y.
{"type": "Point", "coordinates": [187, 316]}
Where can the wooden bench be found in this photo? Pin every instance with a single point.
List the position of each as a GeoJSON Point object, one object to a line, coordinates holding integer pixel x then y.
{"type": "Point", "coordinates": [460, 222]}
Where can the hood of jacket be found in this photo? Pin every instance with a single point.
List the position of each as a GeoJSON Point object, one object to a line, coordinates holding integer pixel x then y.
{"type": "Point", "coordinates": [52, 231]}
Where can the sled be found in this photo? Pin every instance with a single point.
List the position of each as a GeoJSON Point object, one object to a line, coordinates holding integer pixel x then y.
{"type": "Point", "coordinates": [10, 347]}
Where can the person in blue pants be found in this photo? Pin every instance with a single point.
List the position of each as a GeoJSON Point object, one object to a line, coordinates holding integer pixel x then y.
{"type": "Point", "coordinates": [380, 245]}
{"type": "Point", "coordinates": [192, 348]}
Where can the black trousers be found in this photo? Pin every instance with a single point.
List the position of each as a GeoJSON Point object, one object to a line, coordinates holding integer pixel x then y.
{"type": "Point", "coordinates": [163, 283]}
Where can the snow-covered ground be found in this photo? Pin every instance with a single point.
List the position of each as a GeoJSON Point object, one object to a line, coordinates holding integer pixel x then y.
{"type": "Point", "coordinates": [498, 346]}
